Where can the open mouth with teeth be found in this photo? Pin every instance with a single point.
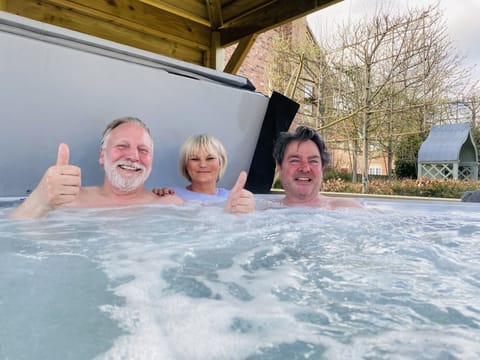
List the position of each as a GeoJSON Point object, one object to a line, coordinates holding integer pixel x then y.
{"type": "Point", "coordinates": [129, 167]}
{"type": "Point", "coordinates": [303, 179]}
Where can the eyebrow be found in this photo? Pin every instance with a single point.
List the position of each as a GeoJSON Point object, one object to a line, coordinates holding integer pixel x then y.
{"type": "Point", "coordinates": [207, 155]}
{"type": "Point", "coordinates": [299, 156]}
{"type": "Point", "coordinates": [129, 143]}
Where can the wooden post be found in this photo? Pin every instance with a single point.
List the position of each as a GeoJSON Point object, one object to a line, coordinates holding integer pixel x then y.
{"type": "Point", "coordinates": [455, 170]}
{"type": "Point", "coordinates": [241, 51]}
{"type": "Point", "coordinates": [3, 5]}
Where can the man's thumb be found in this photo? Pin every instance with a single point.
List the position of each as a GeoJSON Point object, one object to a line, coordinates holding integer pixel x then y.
{"type": "Point", "coordinates": [63, 155]}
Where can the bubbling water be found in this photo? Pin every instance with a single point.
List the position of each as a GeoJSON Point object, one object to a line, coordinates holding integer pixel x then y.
{"type": "Point", "coordinates": [397, 280]}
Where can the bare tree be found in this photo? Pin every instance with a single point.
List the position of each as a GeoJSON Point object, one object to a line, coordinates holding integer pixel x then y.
{"type": "Point", "coordinates": [375, 81]}
{"type": "Point", "coordinates": [394, 71]}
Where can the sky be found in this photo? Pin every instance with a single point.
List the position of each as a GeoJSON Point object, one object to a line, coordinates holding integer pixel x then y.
{"type": "Point", "coordinates": [461, 17]}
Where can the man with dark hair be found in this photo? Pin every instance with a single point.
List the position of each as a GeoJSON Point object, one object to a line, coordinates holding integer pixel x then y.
{"type": "Point", "coordinates": [301, 157]}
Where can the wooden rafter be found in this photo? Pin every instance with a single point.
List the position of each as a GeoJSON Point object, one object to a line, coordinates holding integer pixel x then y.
{"type": "Point", "coordinates": [214, 10]}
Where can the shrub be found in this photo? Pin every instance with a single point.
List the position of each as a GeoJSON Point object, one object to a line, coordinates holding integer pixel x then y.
{"type": "Point", "coordinates": [406, 155]}
{"type": "Point", "coordinates": [406, 169]}
{"type": "Point", "coordinates": [378, 185]}
{"type": "Point", "coordinates": [328, 175]}
{"type": "Point", "coordinates": [407, 187]}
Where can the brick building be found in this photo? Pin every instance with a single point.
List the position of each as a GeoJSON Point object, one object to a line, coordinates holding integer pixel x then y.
{"type": "Point", "coordinates": [254, 65]}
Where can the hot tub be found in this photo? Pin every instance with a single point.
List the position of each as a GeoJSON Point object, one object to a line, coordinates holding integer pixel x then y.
{"type": "Point", "coordinates": [400, 279]}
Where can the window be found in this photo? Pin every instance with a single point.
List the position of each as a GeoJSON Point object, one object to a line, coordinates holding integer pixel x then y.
{"type": "Point", "coordinates": [308, 99]}
{"type": "Point", "coordinates": [374, 170]}
{"type": "Point", "coordinates": [308, 109]}
{"type": "Point", "coordinates": [308, 92]}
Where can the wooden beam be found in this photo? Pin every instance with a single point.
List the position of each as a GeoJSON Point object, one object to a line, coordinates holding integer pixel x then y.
{"type": "Point", "coordinates": [237, 9]}
{"type": "Point", "coordinates": [241, 51]}
{"type": "Point", "coordinates": [133, 13]}
{"type": "Point", "coordinates": [104, 26]}
{"type": "Point", "coordinates": [212, 59]}
{"type": "Point", "coordinates": [214, 10]}
{"type": "Point", "coordinates": [266, 17]}
{"type": "Point", "coordinates": [190, 10]}
{"type": "Point", "coordinates": [3, 5]}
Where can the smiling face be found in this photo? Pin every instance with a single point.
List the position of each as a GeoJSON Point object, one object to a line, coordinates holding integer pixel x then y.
{"type": "Point", "coordinates": [203, 167]}
{"type": "Point", "coordinates": [127, 157]}
{"type": "Point", "coordinates": [301, 171]}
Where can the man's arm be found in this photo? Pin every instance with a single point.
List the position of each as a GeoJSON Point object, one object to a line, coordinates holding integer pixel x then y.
{"type": "Point", "coordinates": [59, 185]}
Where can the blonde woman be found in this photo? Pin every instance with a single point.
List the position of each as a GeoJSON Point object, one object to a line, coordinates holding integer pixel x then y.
{"type": "Point", "coordinates": [202, 161]}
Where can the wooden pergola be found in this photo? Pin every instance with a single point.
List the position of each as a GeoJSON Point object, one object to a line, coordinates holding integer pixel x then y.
{"type": "Point", "coordinates": [188, 30]}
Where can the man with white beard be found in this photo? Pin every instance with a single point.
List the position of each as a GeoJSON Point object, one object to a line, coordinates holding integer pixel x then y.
{"type": "Point", "coordinates": [126, 154]}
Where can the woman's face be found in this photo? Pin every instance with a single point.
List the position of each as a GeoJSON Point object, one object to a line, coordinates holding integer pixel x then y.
{"type": "Point", "coordinates": [203, 167]}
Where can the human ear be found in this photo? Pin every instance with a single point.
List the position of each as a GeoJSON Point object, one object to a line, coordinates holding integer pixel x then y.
{"type": "Point", "coordinates": [101, 158]}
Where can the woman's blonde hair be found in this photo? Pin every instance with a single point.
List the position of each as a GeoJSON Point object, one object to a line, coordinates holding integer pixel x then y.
{"type": "Point", "coordinates": [207, 143]}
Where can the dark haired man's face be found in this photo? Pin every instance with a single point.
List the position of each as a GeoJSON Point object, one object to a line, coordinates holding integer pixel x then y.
{"type": "Point", "coordinates": [301, 170]}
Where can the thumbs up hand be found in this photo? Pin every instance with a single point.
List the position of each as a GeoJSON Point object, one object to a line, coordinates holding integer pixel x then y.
{"type": "Point", "coordinates": [63, 155]}
{"type": "Point", "coordinates": [60, 185]}
{"type": "Point", "coordinates": [240, 201]}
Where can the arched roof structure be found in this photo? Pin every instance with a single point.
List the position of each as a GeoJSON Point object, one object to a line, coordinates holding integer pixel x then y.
{"type": "Point", "coordinates": [449, 152]}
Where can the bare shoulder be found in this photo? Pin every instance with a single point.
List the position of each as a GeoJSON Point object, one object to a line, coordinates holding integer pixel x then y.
{"type": "Point", "coordinates": [336, 203]}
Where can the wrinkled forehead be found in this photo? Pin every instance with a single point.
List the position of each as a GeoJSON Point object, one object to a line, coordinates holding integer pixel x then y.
{"type": "Point", "coordinates": [305, 147]}
{"type": "Point", "coordinates": [130, 133]}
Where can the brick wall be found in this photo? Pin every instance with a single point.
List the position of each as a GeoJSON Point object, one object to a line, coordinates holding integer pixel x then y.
{"type": "Point", "coordinates": [253, 66]}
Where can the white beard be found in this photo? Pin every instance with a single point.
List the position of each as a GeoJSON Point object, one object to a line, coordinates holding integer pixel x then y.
{"type": "Point", "coordinates": [124, 182]}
